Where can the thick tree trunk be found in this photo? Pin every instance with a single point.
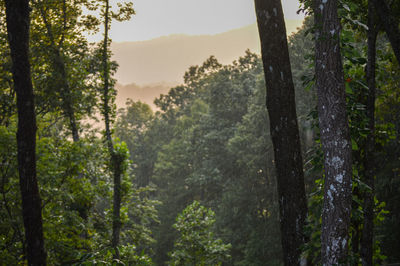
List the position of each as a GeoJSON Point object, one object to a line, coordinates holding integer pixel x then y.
{"type": "Point", "coordinates": [115, 161]}
{"type": "Point", "coordinates": [369, 160]}
{"type": "Point", "coordinates": [390, 24]}
{"type": "Point", "coordinates": [17, 15]}
{"type": "Point", "coordinates": [335, 136]}
{"type": "Point", "coordinates": [284, 128]}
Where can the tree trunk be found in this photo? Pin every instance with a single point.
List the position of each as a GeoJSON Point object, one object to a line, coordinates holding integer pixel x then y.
{"type": "Point", "coordinates": [116, 225]}
{"type": "Point", "coordinates": [284, 128]}
{"type": "Point", "coordinates": [106, 91]}
{"type": "Point", "coordinates": [335, 136]}
{"type": "Point", "coordinates": [115, 160]}
{"type": "Point", "coordinates": [17, 16]}
{"type": "Point", "coordinates": [390, 24]}
{"type": "Point", "coordinates": [369, 160]}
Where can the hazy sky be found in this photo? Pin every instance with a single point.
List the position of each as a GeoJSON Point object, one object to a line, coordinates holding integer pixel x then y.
{"type": "Point", "coordinates": [155, 18]}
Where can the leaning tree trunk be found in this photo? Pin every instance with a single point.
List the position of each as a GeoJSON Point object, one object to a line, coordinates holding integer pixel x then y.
{"type": "Point", "coordinates": [369, 160]}
{"type": "Point", "coordinates": [284, 128]}
{"type": "Point", "coordinates": [59, 66]}
{"type": "Point", "coordinates": [335, 136]}
{"type": "Point", "coordinates": [17, 16]}
{"type": "Point", "coordinates": [115, 160]}
{"type": "Point", "coordinates": [390, 24]}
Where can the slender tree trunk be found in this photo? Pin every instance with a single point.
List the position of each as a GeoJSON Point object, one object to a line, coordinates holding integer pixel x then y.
{"type": "Point", "coordinates": [284, 128]}
{"type": "Point", "coordinates": [390, 24]}
{"type": "Point", "coordinates": [116, 203]}
{"type": "Point", "coordinates": [106, 91]}
{"type": "Point", "coordinates": [65, 94]}
{"type": "Point", "coordinates": [17, 16]}
{"type": "Point", "coordinates": [115, 160]}
{"type": "Point", "coordinates": [369, 161]}
{"type": "Point", "coordinates": [335, 136]}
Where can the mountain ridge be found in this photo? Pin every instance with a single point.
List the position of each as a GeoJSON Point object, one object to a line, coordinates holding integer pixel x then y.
{"type": "Point", "coordinates": [165, 59]}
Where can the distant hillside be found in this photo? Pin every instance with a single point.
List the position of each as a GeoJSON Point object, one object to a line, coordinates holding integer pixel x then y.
{"type": "Point", "coordinates": [154, 66]}
{"type": "Point", "coordinates": [146, 93]}
{"type": "Point", "coordinates": [167, 58]}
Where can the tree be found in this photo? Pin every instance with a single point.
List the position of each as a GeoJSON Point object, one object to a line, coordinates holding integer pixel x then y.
{"type": "Point", "coordinates": [196, 244]}
{"type": "Point", "coordinates": [59, 61]}
{"type": "Point", "coordinates": [18, 21]}
{"type": "Point", "coordinates": [335, 135]}
{"type": "Point", "coordinates": [387, 152]}
{"type": "Point", "coordinates": [125, 13]}
{"type": "Point", "coordinates": [283, 127]}
{"type": "Point", "coordinates": [369, 160]}
{"type": "Point", "coordinates": [132, 127]}
{"type": "Point", "coordinates": [7, 102]}
{"type": "Point", "coordinates": [250, 211]}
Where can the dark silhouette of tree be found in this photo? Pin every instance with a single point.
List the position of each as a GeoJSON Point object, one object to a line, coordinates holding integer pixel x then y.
{"type": "Point", "coordinates": [369, 160]}
{"type": "Point", "coordinates": [283, 127]}
{"type": "Point", "coordinates": [18, 21]}
{"type": "Point", "coordinates": [390, 24]}
{"type": "Point", "coordinates": [334, 130]}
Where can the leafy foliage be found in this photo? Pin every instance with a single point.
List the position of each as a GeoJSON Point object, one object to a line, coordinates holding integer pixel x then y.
{"type": "Point", "coordinates": [196, 244]}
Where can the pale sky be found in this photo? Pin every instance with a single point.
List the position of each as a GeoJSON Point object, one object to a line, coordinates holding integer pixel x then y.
{"type": "Point", "coordinates": [155, 18]}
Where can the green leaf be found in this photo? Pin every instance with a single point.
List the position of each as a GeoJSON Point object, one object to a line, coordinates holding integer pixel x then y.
{"type": "Point", "coordinates": [348, 88]}
{"type": "Point", "coordinates": [354, 145]}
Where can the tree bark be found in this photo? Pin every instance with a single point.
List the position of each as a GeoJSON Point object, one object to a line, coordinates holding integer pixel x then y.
{"type": "Point", "coordinates": [284, 127]}
{"type": "Point", "coordinates": [369, 160]}
{"type": "Point", "coordinates": [18, 21]}
{"type": "Point", "coordinates": [390, 24]}
{"type": "Point", "coordinates": [335, 136]}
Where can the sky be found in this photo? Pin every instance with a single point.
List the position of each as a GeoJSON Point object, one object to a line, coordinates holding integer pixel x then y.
{"type": "Point", "coordinates": [155, 18]}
